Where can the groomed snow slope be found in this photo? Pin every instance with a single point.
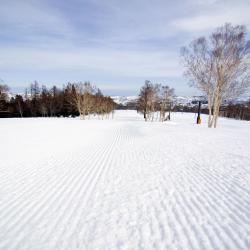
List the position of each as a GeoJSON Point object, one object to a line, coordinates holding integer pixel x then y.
{"type": "Point", "coordinates": [124, 184]}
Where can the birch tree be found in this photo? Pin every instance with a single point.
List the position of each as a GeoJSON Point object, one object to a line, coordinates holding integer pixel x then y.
{"type": "Point", "coordinates": [147, 100]}
{"type": "Point", "coordinates": [154, 98]}
{"type": "Point", "coordinates": [219, 66]}
{"type": "Point", "coordinates": [166, 96]}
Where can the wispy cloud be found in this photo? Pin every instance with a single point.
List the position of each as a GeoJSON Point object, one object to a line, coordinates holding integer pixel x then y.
{"type": "Point", "coordinates": [212, 14]}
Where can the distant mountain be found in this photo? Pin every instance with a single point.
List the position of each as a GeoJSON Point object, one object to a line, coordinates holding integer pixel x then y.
{"type": "Point", "coordinates": [189, 100]}
{"type": "Point", "coordinates": [180, 100]}
{"type": "Point", "coordinates": [124, 100]}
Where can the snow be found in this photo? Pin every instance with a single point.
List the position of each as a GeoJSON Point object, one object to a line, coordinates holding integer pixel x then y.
{"type": "Point", "coordinates": [124, 184]}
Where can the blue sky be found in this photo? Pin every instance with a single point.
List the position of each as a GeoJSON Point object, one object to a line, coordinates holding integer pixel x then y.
{"type": "Point", "coordinates": [114, 44]}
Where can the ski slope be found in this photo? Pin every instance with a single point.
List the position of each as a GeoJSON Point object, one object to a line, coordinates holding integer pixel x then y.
{"type": "Point", "coordinates": [124, 184]}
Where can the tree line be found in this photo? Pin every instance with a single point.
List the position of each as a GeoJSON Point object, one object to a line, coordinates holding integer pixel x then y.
{"type": "Point", "coordinates": [75, 99]}
{"type": "Point", "coordinates": [231, 110]}
{"type": "Point", "coordinates": [156, 102]}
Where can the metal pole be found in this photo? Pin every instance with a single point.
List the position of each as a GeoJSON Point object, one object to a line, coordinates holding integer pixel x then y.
{"type": "Point", "coordinates": [199, 114]}
{"type": "Point", "coordinates": [169, 110]}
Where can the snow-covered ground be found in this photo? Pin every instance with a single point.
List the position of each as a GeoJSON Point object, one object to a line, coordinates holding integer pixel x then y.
{"type": "Point", "coordinates": [124, 184]}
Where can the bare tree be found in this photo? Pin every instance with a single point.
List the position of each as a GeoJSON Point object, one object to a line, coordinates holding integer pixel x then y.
{"type": "Point", "coordinates": [19, 104]}
{"type": "Point", "coordinates": [32, 96]}
{"type": "Point", "coordinates": [77, 97]}
{"type": "Point", "coordinates": [147, 100]}
{"type": "Point", "coordinates": [3, 95]}
{"type": "Point", "coordinates": [219, 66]}
{"type": "Point", "coordinates": [142, 104]}
{"type": "Point", "coordinates": [154, 98]}
{"type": "Point", "coordinates": [165, 99]}
{"type": "Point", "coordinates": [198, 62]}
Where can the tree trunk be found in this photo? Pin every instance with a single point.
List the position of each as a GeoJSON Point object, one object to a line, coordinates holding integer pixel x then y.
{"type": "Point", "coordinates": [217, 113]}
{"type": "Point", "coordinates": [216, 110]}
{"type": "Point", "coordinates": [210, 113]}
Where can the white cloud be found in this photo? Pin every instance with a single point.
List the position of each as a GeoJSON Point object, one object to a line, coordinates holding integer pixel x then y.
{"type": "Point", "coordinates": [214, 15]}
